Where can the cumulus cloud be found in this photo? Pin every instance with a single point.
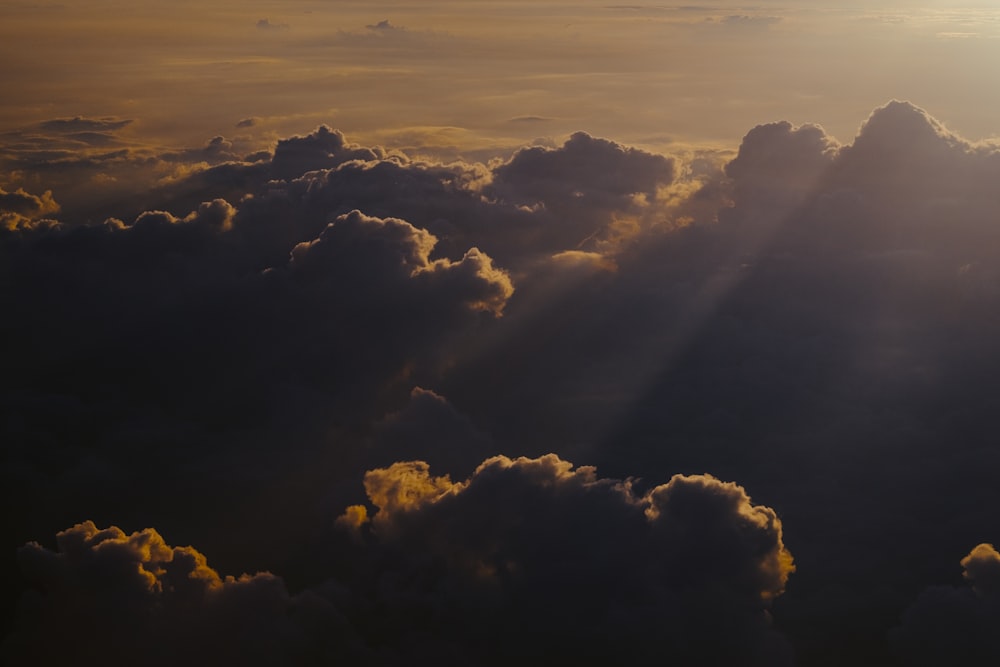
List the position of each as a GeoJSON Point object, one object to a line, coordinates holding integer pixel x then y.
{"type": "Point", "coordinates": [323, 149]}
{"type": "Point", "coordinates": [982, 569]}
{"type": "Point", "coordinates": [21, 208]}
{"type": "Point", "coordinates": [391, 250]}
{"type": "Point", "coordinates": [213, 344]}
{"type": "Point", "coordinates": [114, 598]}
{"type": "Point", "coordinates": [525, 557]}
{"type": "Point", "coordinates": [583, 167]}
{"type": "Point", "coordinates": [534, 556]}
{"type": "Point", "coordinates": [280, 321]}
{"type": "Point", "coordinates": [955, 626]}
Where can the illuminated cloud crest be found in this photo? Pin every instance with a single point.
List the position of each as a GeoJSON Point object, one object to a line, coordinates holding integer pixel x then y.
{"type": "Point", "coordinates": [115, 599]}
{"type": "Point", "coordinates": [531, 556]}
{"type": "Point", "coordinates": [23, 209]}
{"type": "Point", "coordinates": [528, 557]}
{"type": "Point", "coordinates": [955, 626]}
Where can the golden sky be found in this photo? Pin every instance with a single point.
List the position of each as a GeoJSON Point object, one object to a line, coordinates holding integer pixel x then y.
{"type": "Point", "coordinates": [481, 74]}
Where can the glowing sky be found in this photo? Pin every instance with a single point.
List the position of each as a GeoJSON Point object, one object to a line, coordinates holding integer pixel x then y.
{"type": "Point", "coordinates": [495, 73]}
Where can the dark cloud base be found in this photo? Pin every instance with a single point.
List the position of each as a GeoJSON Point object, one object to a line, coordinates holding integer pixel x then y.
{"type": "Point", "coordinates": [222, 342]}
{"type": "Point", "coordinates": [526, 560]}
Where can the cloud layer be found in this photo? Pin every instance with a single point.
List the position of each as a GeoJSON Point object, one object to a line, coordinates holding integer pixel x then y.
{"type": "Point", "coordinates": [526, 559]}
{"type": "Point", "coordinates": [259, 328]}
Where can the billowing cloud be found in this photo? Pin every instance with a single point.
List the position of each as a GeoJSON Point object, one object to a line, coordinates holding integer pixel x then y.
{"type": "Point", "coordinates": [114, 598]}
{"type": "Point", "coordinates": [585, 168]}
{"type": "Point", "coordinates": [525, 557]}
{"type": "Point", "coordinates": [20, 207]}
{"type": "Point", "coordinates": [273, 323]}
{"type": "Point", "coordinates": [955, 626]}
{"type": "Point", "coordinates": [392, 251]}
{"type": "Point", "coordinates": [196, 323]}
{"type": "Point", "coordinates": [533, 556]}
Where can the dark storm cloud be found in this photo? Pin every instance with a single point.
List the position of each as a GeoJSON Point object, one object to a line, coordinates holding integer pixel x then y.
{"type": "Point", "coordinates": [248, 122]}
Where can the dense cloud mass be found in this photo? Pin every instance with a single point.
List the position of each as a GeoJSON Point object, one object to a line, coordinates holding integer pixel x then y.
{"type": "Point", "coordinates": [259, 328]}
{"type": "Point", "coordinates": [529, 557]}
{"type": "Point", "coordinates": [955, 626]}
{"type": "Point", "coordinates": [526, 560]}
{"type": "Point", "coordinates": [110, 598]}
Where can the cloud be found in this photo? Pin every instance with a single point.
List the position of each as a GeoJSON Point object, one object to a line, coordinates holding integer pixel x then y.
{"type": "Point", "coordinates": [954, 626]}
{"type": "Point", "coordinates": [323, 149]}
{"type": "Point", "coordinates": [429, 427]}
{"type": "Point", "coordinates": [982, 569]}
{"type": "Point", "coordinates": [84, 124]}
{"type": "Point", "coordinates": [392, 251]}
{"type": "Point", "coordinates": [532, 555]}
{"type": "Point", "coordinates": [271, 324]}
{"type": "Point", "coordinates": [744, 20]}
{"type": "Point", "coordinates": [265, 24]}
{"type": "Point", "coordinates": [111, 597]}
{"type": "Point", "coordinates": [382, 25]}
{"type": "Point", "coordinates": [583, 167]}
{"type": "Point", "coordinates": [529, 119]}
{"type": "Point", "coordinates": [526, 555]}
{"type": "Point", "coordinates": [28, 205]}
{"type": "Point", "coordinates": [217, 346]}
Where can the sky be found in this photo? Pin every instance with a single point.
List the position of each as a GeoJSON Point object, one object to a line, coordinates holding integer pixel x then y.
{"type": "Point", "coordinates": [483, 333]}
